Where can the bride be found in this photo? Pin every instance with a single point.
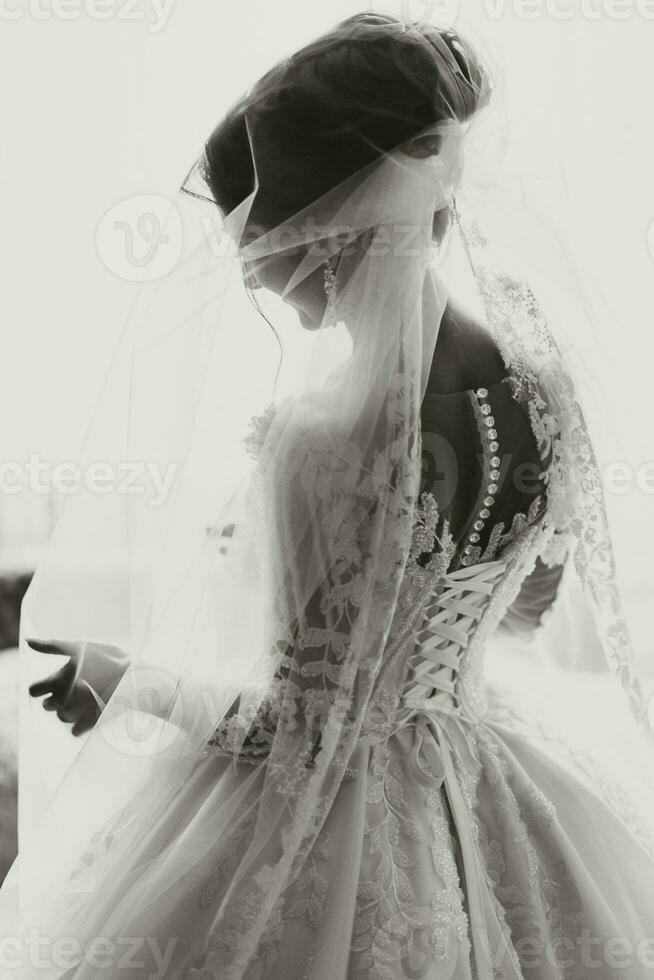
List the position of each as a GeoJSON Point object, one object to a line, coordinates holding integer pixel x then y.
{"type": "Point", "coordinates": [327, 786]}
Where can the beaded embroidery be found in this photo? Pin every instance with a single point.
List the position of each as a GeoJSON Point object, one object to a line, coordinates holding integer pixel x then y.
{"type": "Point", "coordinates": [491, 476]}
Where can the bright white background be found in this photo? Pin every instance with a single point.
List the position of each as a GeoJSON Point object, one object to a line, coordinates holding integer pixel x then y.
{"type": "Point", "coordinates": [98, 110]}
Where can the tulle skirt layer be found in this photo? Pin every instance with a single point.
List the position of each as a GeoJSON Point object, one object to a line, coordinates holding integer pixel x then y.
{"type": "Point", "coordinates": [515, 847]}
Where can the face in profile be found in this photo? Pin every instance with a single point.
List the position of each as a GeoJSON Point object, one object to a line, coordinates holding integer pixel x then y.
{"type": "Point", "coordinates": [308, 296]}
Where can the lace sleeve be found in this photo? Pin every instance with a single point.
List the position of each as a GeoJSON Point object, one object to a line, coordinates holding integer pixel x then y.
{"type": "Point", "coordinates": [336, 528]}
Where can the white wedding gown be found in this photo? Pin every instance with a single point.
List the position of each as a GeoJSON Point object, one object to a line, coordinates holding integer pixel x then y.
{"type": "Point", "coordinates": [486, 836]}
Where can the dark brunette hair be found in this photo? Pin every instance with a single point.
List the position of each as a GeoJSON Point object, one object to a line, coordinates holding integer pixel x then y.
{"type": "Point", "coordinates": [367, 86]}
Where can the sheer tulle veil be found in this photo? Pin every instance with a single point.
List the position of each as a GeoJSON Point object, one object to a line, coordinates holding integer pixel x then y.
{"type": "Point", "coordinates": [256, 600]}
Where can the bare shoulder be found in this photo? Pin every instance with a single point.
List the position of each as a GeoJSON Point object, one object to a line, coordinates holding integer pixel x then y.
{"type": "Point", "coordinates": [467, 355]}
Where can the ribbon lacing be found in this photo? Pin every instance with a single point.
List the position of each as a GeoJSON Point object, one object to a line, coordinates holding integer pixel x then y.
{"type": "Point", "coordinates": [443, 732]}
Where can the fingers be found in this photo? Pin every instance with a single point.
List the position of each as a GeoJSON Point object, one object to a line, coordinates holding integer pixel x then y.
{"type": "Point", "coordinates": [63, 648]}
{"type": "Point", "coordinates": [67, 716]}
{"type": "Point", "coordinates": [82, 726]}
{"type": "Point", "coordinates": [71, 698]}
{"type": "Point", "coordinates": [78, 707]}
{"type": "Point", "coordinates": [81, 716]}
{"type": "Point", "coordinates": [46, 686]}
{"type": "Point", "coordinates": [58, 683]}
{"type": "Point", "coordinates": [82, 721]}
{"type": "Point", "coordinates": [53, 684]}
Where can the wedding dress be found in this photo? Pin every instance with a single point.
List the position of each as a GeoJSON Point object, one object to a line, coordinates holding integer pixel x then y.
{"type": "Point", "coordinates": [468, 831]}
{"type": "Point", "coordinates": [358, 798]}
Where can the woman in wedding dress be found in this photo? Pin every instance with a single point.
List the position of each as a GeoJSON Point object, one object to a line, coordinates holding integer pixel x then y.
{"type": "Point", "coordinates": [355, 800]}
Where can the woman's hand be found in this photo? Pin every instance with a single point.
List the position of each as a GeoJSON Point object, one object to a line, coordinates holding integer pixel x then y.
{"type": "Point", "coordinates": [79, 691]}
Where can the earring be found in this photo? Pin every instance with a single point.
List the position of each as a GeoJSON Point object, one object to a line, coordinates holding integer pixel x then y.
{"type": "Point", "coordinates": [329, 280]}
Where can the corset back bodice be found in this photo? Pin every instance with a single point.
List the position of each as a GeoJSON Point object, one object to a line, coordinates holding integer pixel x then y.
{"type": "Point", "coordinates": [436, 676]}
{"type": "Point", "coordinates": [479, 521]}
{"type": "Point", "coordinates": [480, 515]}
